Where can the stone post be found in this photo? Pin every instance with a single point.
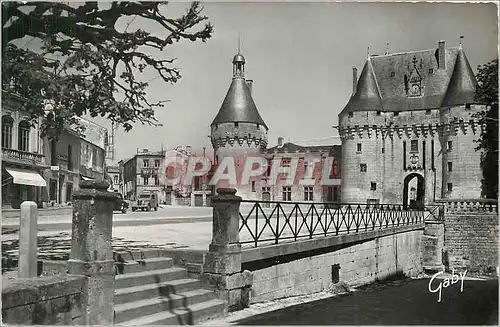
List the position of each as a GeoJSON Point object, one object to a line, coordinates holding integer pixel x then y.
{"type": "Point", "coordinates": [91, 252]}
{"type": "Point", "coordinates": [27, 266]}
{"type": "Point", "coordinates": [222, 268]}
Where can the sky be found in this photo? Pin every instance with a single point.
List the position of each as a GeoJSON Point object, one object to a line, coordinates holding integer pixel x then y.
{"type": "Point", "coordinates": [300, 57]}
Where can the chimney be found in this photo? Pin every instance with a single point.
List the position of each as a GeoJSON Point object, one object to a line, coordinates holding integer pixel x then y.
{"type": "Point", "coordinates": [280, 141]}
{"type": "Point", "coordinates": [441, 55]}
{"type": "Point", "coordinates": [250, 84]}
{"type": "Point", "coordinates": [354, 79]}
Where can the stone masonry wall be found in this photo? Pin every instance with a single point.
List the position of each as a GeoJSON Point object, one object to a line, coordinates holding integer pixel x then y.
{"type": "Point", "coordinates": [471, 241]}
{"type": "Point", "coordinates": [359, 264]}
{"type": "Point", "coordinates": [55, 300]}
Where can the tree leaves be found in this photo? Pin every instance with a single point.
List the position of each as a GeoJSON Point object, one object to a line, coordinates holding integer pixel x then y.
{"type": "Point", "coordinates": [487, 93]}
{"type": "Point", "coordinates": [87, 66]}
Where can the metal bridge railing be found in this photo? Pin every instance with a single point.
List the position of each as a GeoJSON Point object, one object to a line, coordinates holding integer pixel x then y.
{"type": "Point", "coordinates": [270, 222]}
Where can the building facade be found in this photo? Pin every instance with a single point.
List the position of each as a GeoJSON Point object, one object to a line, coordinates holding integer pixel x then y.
{"type": "Point", "coordinates": [142, 174]}
{"type": "Point", "coordinates": [408, 131]}
{"type": "Point", "coordinates": [238, 132]}
{"type": "Point", "coordinates": [23, 158]}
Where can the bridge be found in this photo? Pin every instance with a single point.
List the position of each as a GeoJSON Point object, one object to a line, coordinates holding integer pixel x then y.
{"type": "Point", "coordinates": [260, 251]}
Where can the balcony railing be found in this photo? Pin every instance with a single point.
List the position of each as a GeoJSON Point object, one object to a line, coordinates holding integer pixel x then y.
{"type": "Point", "coordinates": [23, 157]}
{"type": "Point", "coordinates": [270, 222]}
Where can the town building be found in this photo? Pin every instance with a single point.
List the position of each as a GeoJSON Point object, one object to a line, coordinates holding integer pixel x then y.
{"type": "Point", "coordinates": [315, 162]}
{"type": "Point", "coordinates": [238, 132]}
{"type": "Point", "coordinates": [23, 158]}
{"type": "Point", "coordinates": [41, 170]}
{"type": "Point", "coordinates": [408, 131]}
{"type": "Point", "coordinates": [142, 174]}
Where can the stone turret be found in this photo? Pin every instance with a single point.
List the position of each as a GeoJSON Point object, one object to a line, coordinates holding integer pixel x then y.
{"type": "Point", "coordinates": [238, 131]}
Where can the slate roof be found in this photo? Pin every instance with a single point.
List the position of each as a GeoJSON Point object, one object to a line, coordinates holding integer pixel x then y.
{"type": "Point", "coordinates": [293, 148]}
{"type": "Point", "coordinates": [238, 105]}
{"type": "Point", "coordinates": [385, 75]}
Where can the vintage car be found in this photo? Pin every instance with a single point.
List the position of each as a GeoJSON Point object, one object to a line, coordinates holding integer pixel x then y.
{"type": "Point", "coordinates": [146, 201]}
{"type": "Point", "coordinates": [121, 204]}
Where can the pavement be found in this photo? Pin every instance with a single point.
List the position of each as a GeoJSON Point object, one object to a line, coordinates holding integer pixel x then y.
{"type": "Point", "coordinates": [402, 302]}
{"type": "Point", "coordinates": [62, 219]}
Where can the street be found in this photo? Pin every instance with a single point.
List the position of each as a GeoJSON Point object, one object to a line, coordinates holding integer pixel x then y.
{"type": "Point", "coordinates": [395, 303]}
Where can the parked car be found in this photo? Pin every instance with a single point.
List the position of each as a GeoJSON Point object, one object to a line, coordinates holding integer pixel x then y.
{"type": "Point", "coordinates": [146, 201]}
{"type": "Point", "coordinates": [121, 204]}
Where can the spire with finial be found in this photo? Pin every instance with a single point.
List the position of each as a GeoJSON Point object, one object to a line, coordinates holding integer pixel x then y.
{"type": "Point", "coordinates": [461, 40]}
{"type": "Point", "coordinates": [387, 48]}
{"type": "Point", "coordinates": [368, 52]}
{"type": "Point", "coordinates": [239, 62]}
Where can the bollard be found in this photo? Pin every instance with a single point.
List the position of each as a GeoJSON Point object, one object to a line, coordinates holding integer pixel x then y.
{"type": "Point", "coordinates": [91, 251]}
{"type": "Point", "coordinates": [222, 268]}
{"type": "Point", "coordinates": [27, 266]}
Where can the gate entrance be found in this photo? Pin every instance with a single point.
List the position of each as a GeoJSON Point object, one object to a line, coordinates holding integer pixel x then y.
{"type": "Point", "coordinates": [414, 192]}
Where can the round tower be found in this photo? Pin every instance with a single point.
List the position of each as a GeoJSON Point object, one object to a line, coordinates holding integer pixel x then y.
{"type": "Point", "coordinates": [238, 131]}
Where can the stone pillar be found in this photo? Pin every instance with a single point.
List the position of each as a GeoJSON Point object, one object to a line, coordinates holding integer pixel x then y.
{"type": "Point", "coordinates": [222, 268]}
{"type": "Point", "coordinates": [433, 246]}
{"type": "Point", "coordinates": [27, 266]}
{"type": "Point", "coordinates": [91, 252]}
{"type": "Point", "coordinates": [204, 199]}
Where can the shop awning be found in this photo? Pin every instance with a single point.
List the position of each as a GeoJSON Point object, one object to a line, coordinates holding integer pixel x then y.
{"type": "Point", "coordinates": [87, 179]}
{"type": "Point", "coordinates": [26, 177]}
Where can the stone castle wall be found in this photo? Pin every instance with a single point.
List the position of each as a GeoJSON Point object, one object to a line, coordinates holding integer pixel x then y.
{"type": "Point", "coordinates": [382, 136]}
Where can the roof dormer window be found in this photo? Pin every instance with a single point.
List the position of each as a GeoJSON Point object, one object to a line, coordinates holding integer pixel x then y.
{"type": "Point", "coordinates": [351, 114]}
{"type": "Point", "coordinates": [393, 74]}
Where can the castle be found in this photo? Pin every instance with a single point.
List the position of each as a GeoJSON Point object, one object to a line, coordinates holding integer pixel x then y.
{"type": "Point", "coordinates": [408, 131]}
{"type": "Point", "coordinates": [238, 132]}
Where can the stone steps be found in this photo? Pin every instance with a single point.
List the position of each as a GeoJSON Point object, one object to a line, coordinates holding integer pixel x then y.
{"type": "Point", "coordinates": [144, 265]}
{"type": "Point", "coordinates": [150, 290]}
{"type": "Point", "coordinates": [149, 277]}
{"type": "Point", "coordinates": [143, 292]}
{"type": "Point", "coordinates": [182, 316]}
{"type": "Point", "coordinates": [132, 310]}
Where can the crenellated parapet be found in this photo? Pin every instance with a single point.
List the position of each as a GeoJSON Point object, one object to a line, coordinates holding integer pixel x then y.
{"type": "Point", "coordinates": [227, 141]}
{"type": "Point", "coordinates": [470, 205]}
{"type": "Point", "coordinates": [411, 131]}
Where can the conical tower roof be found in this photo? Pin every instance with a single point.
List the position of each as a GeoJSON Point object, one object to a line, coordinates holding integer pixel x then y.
{"type": "Point", "coordinates": [367, 95]}
{"type": "Point", "coordinates": [238, 105]}
{"type": "Point", "coordinates": [463, 83]}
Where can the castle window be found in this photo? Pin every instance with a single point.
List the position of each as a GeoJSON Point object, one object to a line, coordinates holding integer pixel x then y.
{"type": "Point", "coordinates": [287, 193]}
{"type": "Point", "coordinates": [450, 166]}
{"type": "Point", "coordinates": [383, 150]}
{"type": "Point", "coordinates": [351, 114]}
{"type": "Point", "coordinates": [236, 124]}
{"type": "Point", "coordinates": [257, 125]}
{"type": "Point", "coordinates": [428, 112]}
{"type": "Point", "coordinates": [145, 180]}
{"type": "Point", "coordinates": [467, 106]}
{"type": "Point", "coordinates": [157, 163]}
{"type": "Point", "coordinates": [450, 187]}
{"type": "Point", "coordinates": [396, 113]}
{"type": "Point", "coordinates": [253, 186]}
{"type": "Point", "coordinates": [308, 193]}
{"type": "Point", "coordinates": [414, 146]}
{"type": "Point", "coordinates": [157, 180]}
{"type": "Point", "coordinates": [431, 71]}
{"type": "Point", "coordinates": [306, 165]}
{"type": "Point", "coordinates": [373, 186]}
{"type": "Point", "coordinates": [359, 147]}
{"type": "Point", "coordinates": [285, 162]}
{"type": "Point", "coordinates": [145, 163]}
{"type": "Point", "coordinates": [379, 113]}
{"type": "Point", "coordinates": [393, 74]}
{"type": "Point", "coordinates": [266, 190]}
{"type": "Point", "coordinates": [362, 168]}
{"type": "Point", "coordinates": [449, 145]}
